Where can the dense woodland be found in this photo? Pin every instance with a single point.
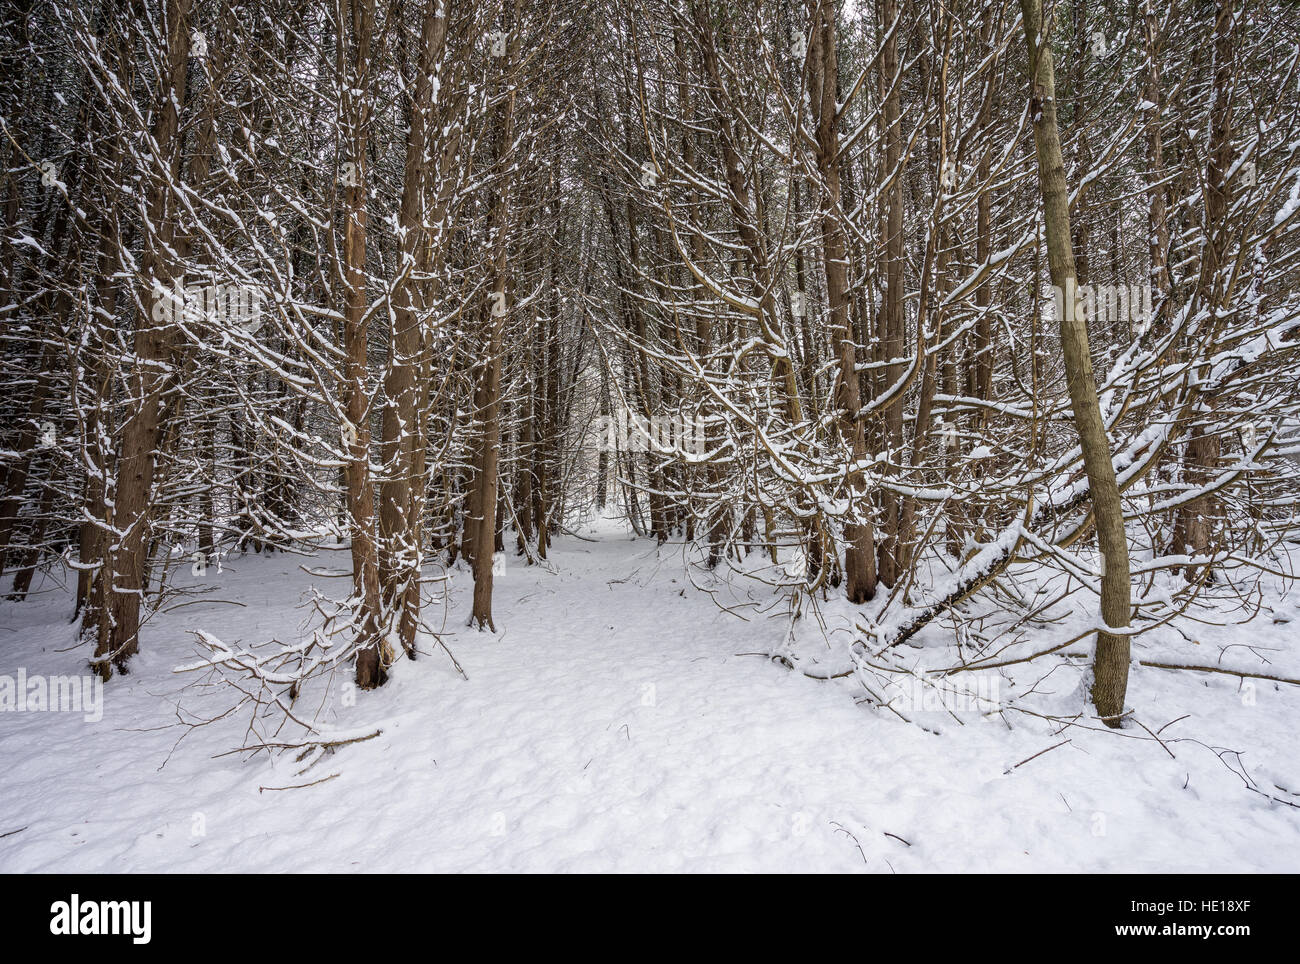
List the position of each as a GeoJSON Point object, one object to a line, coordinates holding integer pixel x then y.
{"type": "Point", "coordinates": [872, 301]}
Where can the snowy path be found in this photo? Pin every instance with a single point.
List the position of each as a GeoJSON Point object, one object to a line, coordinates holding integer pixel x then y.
{"type": "Point", "coordinates": [610, 725]}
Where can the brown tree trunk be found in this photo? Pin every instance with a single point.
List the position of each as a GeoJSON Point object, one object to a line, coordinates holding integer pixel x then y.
{"type": "Point", "coordinates": [133, 492]}
{"type": "Point", "coordinates": [1194, 525]}
{"type": "Point", "coordinates": [399, 510]}
{"type": "Point", "coordinates": [355, 37]}
{"type": "Point", "coordinates": [15, 481]}
{"type": "Point", "coordinates": [1110, 666]}
{"type": "Point", "coordinates": [890, 322]}
{"type": "Point", "coordinates": [859, 536]}
{"type": "Point", "coordinates": [30, 556]}
{"type": "Point", "coordinates": [1157, 218]}
{"type": "Point", "coordinates": [488, 403]}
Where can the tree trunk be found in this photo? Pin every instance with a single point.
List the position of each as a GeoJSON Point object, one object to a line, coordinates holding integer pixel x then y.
{"type": "Point", "coordinates": [1194, 525]}
{"type": "Point", "coordinates": [373, 655]}
{"type": "Point", "coordinates": [891, 332]}
{"type": "Point", "coordinates": [399, 513]}
{"type": "Point", "coordinates": [154, 331]}
{"type": "Point", "coordinates": [488, 403]}
{"type": "Point", "coordinates": [859, 537]}
{"type": "Point", "coordinates": [1110, 666]}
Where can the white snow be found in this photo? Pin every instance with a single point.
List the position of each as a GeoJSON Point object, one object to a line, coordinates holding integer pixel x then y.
{"type": "Point", "coordinates": [613, 725]}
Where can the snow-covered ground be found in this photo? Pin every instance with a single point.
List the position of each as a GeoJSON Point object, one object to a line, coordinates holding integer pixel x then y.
{"type": "Point", "coordinates": [612, 725]}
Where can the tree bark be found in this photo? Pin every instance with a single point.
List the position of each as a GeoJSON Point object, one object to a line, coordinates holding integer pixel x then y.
{"type": "Point", "coordinates": [154, 332]}
{"type": "Point", "coordinates": [488, 403]}
{"type": "Point", "coordinates": [355, 38]}
{"type": "Point", "coordinates": [1110, 665]}
{"type": "Point", "coordinates": [859, 536]}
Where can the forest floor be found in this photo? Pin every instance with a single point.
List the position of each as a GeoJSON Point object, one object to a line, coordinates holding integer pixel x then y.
{"type": "Point", "coordinates": [612, 724]}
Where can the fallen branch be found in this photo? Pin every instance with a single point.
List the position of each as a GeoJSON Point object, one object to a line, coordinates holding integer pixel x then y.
{"type": "Point", "coordinates": [1037, 755]}
{"type": "Point", "coordinates": [1219, 669]}
{"type": "Point", "coordinates": [299, 786]}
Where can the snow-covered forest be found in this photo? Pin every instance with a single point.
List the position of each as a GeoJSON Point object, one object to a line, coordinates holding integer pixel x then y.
{"type": "Point", "coordinates": [649, 435]}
